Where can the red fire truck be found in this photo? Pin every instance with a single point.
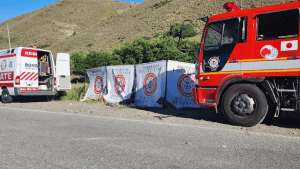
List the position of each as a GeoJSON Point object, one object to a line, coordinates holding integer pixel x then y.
{"type": "Point", "coordinates": [249, 62]}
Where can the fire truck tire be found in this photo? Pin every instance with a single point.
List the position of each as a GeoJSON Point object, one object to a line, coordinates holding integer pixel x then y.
{"type": "Point", "coordinates": [244, 105]}
{"type": "Point", "coordinates": [5, 96]}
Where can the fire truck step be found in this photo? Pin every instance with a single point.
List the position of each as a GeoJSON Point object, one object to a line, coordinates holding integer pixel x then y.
{"type": "Point", "coordinates": [286, 90]}
{"type": "Point", "coordinates": [286, 109]}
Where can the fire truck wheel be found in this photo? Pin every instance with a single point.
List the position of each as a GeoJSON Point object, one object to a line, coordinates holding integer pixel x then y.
{"type": "Point", "coordinates": [244, 105]}
{"type": "Point", "coordinates": [6, 97]}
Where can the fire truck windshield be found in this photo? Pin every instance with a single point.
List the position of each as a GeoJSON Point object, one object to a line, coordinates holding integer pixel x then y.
{"type": "Point", "coordinates": [221, 33]}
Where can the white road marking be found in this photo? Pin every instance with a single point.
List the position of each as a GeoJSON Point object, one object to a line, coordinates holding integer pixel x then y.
{"type": "Point", "coordinates": [153, 122]}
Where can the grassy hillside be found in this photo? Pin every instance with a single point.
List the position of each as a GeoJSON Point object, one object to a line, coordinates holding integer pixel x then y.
{"type": "Point", "coordinates": [102, 25]}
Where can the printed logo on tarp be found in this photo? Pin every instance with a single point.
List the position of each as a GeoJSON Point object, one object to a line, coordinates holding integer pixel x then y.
{"type": "Point", "coordinates": [3, 65]}
{"type": "Point", "coordinates": [150, 84]}
{"type": "Point", "coordinates": [185, 84]}
{"type": "Point", "coordinates": [120, 84]}
{"type": "Point", "coordinates": [98, 86]}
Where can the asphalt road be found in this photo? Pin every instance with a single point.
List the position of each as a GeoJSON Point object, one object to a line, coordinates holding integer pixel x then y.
{"type": "Point", "coordinates": [44, 139]}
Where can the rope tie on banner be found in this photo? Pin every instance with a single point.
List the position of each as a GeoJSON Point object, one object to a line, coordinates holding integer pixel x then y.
{"type": "Point", "coordinates": [82, 87]}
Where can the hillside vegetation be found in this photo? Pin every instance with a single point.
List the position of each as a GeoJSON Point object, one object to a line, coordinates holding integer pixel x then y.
{"type": "Point", "coordinates": [104, 25]}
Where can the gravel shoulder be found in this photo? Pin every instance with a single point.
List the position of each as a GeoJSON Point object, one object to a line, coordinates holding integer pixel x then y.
{"type": "Point", "coordinates": [287, 125]}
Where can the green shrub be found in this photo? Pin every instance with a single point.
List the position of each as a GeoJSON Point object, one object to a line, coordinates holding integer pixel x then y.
{"type": "Point", "coordinates": [160, 4]}
{"type": "Point", "coordinates": [78, 63]}
{"type": "Point", "coordinates": [188, 30]}
{"type": "Point", "coordinates": [73, 94]}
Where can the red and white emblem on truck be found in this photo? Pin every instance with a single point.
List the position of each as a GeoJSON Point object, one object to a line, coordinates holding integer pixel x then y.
{"type": "Point", "coordinates": [213, 63]}
{"type": "Point", "coordinates": [269, 52]}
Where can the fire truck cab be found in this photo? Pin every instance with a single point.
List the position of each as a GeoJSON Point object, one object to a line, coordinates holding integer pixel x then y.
{"type": "Point", "coordinates": [249, 62]}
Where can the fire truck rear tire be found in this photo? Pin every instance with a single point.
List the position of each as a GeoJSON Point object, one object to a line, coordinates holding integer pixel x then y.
{"type": "Point", "coordinates": [244, 105]}
{"type": "Point", "coordinates": [5, 96]}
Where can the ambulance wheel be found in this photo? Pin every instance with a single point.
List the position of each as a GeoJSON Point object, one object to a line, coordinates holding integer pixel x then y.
{"type": "Point", "coordinates": [6, 97]}
{"type": "Point", "coordinates": [50, 98]}
{"type": "Point", "coordinates": [244, 105]}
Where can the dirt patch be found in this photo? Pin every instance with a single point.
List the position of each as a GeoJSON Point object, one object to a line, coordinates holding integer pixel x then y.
{"type": "Point", "coordinates": [287, 125]}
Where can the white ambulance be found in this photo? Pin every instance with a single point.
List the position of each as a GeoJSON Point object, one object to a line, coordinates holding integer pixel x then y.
{"type": "Point", "coordinates": [28, 71]}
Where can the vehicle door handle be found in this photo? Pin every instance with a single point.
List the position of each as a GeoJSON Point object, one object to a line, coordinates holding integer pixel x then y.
{"type": "Point", "coordinates": [233, 61]}
{"type": "Point", "coordinates": [204, 78]}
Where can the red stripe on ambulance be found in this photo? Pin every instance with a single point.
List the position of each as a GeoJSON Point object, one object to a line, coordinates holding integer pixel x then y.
{"type": "Point", "coordinates": [8, 56]}
{"type": "Point", "coordinates": [29, 76]}
{"type": "Point", "coordinates": [23, 77]}
{"type": "Point", "coordinates": [36, 75]}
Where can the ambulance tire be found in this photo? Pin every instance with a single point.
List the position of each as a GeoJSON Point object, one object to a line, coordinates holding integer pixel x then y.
{"type": "Point", "coordinates": [50, 98]}
{"type": "Point", "coordinates": [244, 105]}
{"type": "Point", "coordinates": [5, 96]}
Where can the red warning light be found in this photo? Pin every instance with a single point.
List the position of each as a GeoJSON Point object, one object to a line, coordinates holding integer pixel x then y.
{"type": "Point", "coordinates": [231, 6]}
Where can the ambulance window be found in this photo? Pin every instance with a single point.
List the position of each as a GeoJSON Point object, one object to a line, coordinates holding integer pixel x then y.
{"type": "Point", "coordinates": [277, 25]}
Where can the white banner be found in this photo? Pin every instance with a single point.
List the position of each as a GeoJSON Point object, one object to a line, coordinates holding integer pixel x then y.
{"type": "Point", "coordinates": [97, 83]}
{"type": "Point", "coordinates": [151, 83]}
{"type": "Point", "coordinates": [180, 81]}
{"type": "Point", "coordinates": [119, 83]}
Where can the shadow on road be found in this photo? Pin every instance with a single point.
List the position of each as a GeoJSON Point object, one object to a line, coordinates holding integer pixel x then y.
{"type": "Point", "coordinates": [287, 120]}
{"type": "Point", "coordinates": [29, 99]}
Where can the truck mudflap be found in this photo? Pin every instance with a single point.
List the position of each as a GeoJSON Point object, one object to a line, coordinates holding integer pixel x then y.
{"type": "Point", "coordinates": [19, 92]}
{"type": "Point", "coordinates": [204, 96]}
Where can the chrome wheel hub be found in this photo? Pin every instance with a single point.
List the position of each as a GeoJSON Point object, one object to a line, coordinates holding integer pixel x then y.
{"type": "Point", "coordinates": [243, 104]}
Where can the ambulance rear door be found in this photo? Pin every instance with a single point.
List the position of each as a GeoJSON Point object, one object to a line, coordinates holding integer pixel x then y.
{"type": "Point", "coordinates": [29, 70]}
{"type": "Point", "coordinates": [63, 72]}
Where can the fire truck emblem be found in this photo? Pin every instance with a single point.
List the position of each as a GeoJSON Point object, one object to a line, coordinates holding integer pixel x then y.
{"type": "Point", "coordinates": [269, 52]}
{"type": "Point", "coordinates": [150, 84]}
{"type": "Point", "coordinates": [3, 65]}
{"type": "Point", "coordinates": [213, 63]}
{"type": "Point", "coordinates": [185, 83]}
{"type": "Point", "coordinates": [98, 86]}
{"type": "Point", "coordinates": [120, 84]}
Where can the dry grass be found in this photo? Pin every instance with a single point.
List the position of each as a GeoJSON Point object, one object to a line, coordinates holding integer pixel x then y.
{"type": "Point", "coordinates": [102, 25]}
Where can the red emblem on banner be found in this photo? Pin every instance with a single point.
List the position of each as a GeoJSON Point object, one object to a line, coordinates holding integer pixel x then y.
{"type": "Point", "coordinates": [120, 84]}
{"type": "Point", "coordinates": [185, 84]}
{"type": "Point", "coordinates": [150, 84]}
{"type": "Point", "coordinates": [98, 85]}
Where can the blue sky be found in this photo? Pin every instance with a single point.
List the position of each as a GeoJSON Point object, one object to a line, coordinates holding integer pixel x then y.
{"type": "Point", "coordinates": [13, 8]}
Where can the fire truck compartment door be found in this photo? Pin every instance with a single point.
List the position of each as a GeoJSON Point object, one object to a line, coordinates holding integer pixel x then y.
{"type": "Point", "coordinates": [63, 72]}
